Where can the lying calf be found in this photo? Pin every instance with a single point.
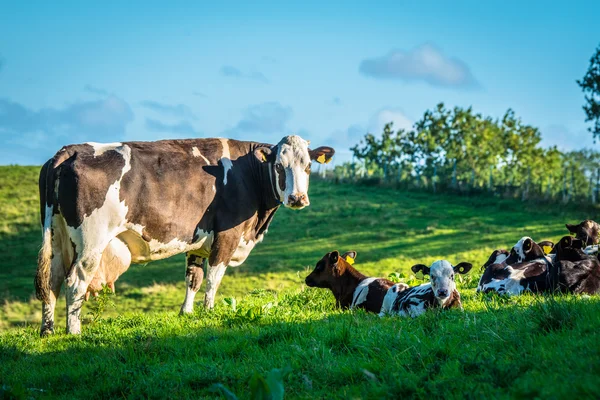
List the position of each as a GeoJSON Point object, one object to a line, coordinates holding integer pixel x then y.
{"type": "Point", "coordinates": [526, 268]}
{"type": "Point", "coordinates": [350, 288]}
{"type": "Point", "coordinates": [439, 293]}
{"type": "Point", "coordinates": [116, 259]}
{"type": "Point", "coordinates": [578, 272]}
{"type": "Point", "coordinates": [588, 231]}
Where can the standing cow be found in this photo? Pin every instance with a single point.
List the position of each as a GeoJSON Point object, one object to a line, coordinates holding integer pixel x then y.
{"type": "Point", "coordinates": [212, 199]}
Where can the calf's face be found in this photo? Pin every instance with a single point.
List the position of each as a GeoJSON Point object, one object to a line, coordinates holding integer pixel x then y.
{"type": "Point", "coordinates": [442, 276]}
{"type": "Point", "coordinates": [525, 250]}
{"type": "Point", "coordinates": [328, 269]}
{"type": "Point", "coordinates": [291, 160]}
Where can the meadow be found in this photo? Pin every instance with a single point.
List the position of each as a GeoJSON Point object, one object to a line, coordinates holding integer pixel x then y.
{"type": "Point", "coordinates": [269, 331]}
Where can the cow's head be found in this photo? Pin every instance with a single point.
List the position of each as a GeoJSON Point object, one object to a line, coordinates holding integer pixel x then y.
{"type": "Point", "coordinates": [329, 268]}
{"type": "Point", "coordinates": [525, 250]}
{"type": "Point", "coordinates": [442, 277]}
{"type": "Point", "coordinates": [290, 168]}
{"type": "Point", "coordinates": [588, 231]}
{"type": "Point", "coordinates": [497, 257]}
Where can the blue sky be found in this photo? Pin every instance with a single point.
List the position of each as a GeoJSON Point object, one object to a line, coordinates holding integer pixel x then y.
{"type": "Point", "coordinates": [77, 72]}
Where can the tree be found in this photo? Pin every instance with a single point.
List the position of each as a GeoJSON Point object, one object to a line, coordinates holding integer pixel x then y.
{"type": "Point", "coordinates": [590, 84]}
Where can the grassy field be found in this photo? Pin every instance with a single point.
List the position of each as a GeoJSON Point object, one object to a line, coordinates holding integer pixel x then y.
{"type": "Point", "coordinates": [268, 328]}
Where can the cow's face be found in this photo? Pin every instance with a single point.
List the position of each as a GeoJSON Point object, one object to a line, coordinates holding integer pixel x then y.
{"type": "Point", "coordinates": [328, 269]}
{"type": "Point", "coordinates": [291, 160]}
{"type": "Point", "coordinates": [588, 231]}
{"type": "Point", "coordinates": [442, 277]}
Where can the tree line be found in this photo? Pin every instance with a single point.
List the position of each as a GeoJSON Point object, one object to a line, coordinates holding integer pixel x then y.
{"type": "Point", "coordinates": [459, 149]}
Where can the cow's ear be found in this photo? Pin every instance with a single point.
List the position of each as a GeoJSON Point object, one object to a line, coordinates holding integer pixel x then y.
{"type": "Point", "coordinates": [349, 256]}
{"type": "Point", "coordinates": [572, 228]}
{"type": "Point", "coordinates": [264, 153]}
{"type": "Point", "coordinates": [527, 245]}
{"type": "Point", "coordinates": [420, 267]}
{"type": "Point", "coordinates": [463, 268]}
{"type": "Point", "coordinates": [334, 256]}
{"type": "Point", "coordinates": [322, 154]}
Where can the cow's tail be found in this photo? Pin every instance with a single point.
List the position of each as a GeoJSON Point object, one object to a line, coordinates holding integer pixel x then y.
{"type": "Point", "coordinates": [42, 276]}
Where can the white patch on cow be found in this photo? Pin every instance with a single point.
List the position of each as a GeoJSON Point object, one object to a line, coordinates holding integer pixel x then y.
{"type": "Point", "coordinates": [591, 250]}
{"type": "Point", "coordinates": [157, 250]}
{"type": "Point", "coordinates": [226, 160]}
{"type": "Point", "coordinates": [213, 279]}
{"type": "Point", "coordinates": [395, 291]}
{"type": "Point", "coordinates": [510, 285]}
{"type": "Point", "coordinates": [242, 252]}
{"type": "Point", "coordinates": [196, 153]}
{"type": "Point", "coordinates": [101, 148]}
{"type": "Point", "coordinates": [500, 258]}
{"type": "Point", "coordinates": [361, 292]}
{"type": "Point", "coordinates": [292, 154]}
{"type": "Point", "coordinates": [106, 222]}
{"type": "Point", "coordinates": [519, 248]}
{"type": "Point", "coordinates": [388, 300]}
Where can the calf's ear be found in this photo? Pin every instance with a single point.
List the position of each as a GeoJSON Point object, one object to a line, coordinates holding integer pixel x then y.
{"type": "Point", "coordinates": [349, 256]}
{"type": "Point", "coordinates": [334, 256]}
{"type": "Point", "coordinates": [264, 153]}
{"type": "Point", "coordinates": [463, 268]}
{"type": "Point", "coordinates": [420, 267]}
{"type": "Point", "coordinates": [322, 154]}
{"type": "Point", "coordinates": [572, 228]}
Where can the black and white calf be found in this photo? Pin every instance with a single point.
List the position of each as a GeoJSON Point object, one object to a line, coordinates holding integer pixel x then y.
{"type": "Point", "coordinates": [526, 268]}
{"type": "Point", "coordinates": [578, 272]}
{"type": "Point", "coordinates": [439, 293]}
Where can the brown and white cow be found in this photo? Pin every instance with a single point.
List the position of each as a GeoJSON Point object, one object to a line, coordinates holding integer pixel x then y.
{"type": "Point", "coordinates": [439, 293]}
{"type": "Point", "coordinates": [212, 199]}
{"type": "Point", "coordinates": [350, 288]}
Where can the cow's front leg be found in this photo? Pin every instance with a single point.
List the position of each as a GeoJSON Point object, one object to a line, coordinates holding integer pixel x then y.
{"type": "Point", "coordinates": [213, 280]}
{"type": "Point", "coordinates": [194, 274]}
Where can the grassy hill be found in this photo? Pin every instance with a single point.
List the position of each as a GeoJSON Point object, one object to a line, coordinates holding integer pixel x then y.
{"type": "Point", "coordinates": [519, 347]}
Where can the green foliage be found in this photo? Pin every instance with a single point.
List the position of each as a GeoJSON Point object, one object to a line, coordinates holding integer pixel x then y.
{"type": "Point", "coordinates": [101, 302]}
{"type": "Point", "coordinates": [458, 148]}
{"type": "Point", "coordinates": [590, 85]}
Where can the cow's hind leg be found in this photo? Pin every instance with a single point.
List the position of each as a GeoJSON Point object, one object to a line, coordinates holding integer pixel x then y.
{"type": "Point", "coordinates": [57, 275]}
{"type": "Point", "coordinates": [78, 279]}
{"type": "Point", "coordinates": [194, 274]}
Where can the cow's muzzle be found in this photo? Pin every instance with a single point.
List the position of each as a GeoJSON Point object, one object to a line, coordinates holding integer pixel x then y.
{"type": "Point", "coordinates": [297, 201]}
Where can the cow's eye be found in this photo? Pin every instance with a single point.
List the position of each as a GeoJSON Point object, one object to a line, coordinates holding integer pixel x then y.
{"type": "Point", "coordinates": [279, 167]}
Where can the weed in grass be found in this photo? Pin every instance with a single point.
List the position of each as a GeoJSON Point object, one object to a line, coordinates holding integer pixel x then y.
{"type": "Point", "coordinates": [101, 302]}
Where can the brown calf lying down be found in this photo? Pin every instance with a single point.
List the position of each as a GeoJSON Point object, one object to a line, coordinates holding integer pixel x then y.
{"type": "Point", "coordinates": [350, 288]}
{"type": "Point", "coordinates": [116, 259]}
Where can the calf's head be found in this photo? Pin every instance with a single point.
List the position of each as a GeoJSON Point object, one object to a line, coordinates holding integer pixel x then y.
{"type": "Point", "coordinates": [329, 268]}
{"type": "Point", "coordinates": [290, 164]}
{"type": "Point", "coordinates": [442, 276]}
{"type": "Point", "coordinates": [525, 250]}
{"type": "Point", "coordinates": [497, 257]}
{"type": "Point", "coordinates": [588, 231]}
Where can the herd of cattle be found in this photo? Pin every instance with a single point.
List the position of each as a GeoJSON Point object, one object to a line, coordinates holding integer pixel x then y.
{"type": "Point", "coordinates": [104, 206]}
{"type": "Point", "coordinates": [570, 266]}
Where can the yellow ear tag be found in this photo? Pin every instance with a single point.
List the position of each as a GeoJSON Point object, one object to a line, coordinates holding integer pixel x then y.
{"type": "Point", "coordinates": [321, 159]}
{"type": "Point", "coordinates": [547, 249]}
{"type": "Point", "coordinates": [349, 260]}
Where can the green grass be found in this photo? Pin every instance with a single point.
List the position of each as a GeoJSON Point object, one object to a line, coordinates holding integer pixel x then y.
{"type": "Point", "coordinates": [498, 348]}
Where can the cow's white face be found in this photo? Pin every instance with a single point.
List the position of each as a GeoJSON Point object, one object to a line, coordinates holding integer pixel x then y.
{"type": "Point", "coordinates": [292, 171]}
{"type": "Point", "coordinates": [519, 248]}
{"type": "Point", "coordinates": [290, 161]}
{"type": "Point", "coordinates": [442, 279]}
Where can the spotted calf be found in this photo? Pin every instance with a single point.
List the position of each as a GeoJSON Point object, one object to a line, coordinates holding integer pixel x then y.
{"type": "Point", "coordinates": [439, 293]}
{"type": "Point", "coordinates": [588, 231]}
{"type": "Point", "coordinates": [526, 268]}
{"type": "Point", "coordinates": [350, 288]}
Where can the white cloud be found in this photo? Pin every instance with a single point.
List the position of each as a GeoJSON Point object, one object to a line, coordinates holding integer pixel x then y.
{"type": "Point", "coordinates": [423, 63]}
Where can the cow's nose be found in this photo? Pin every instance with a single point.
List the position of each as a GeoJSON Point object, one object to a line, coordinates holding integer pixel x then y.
{"type": "Point", "coordinates": [298, 200]}
{"type": "Point", "coordinates": [309, 282]}
{"type": "Point", "coordinates": [443, 293]}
